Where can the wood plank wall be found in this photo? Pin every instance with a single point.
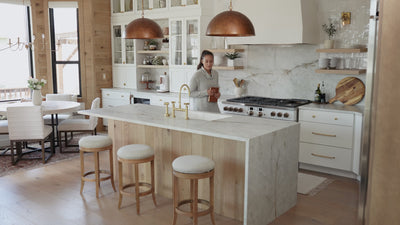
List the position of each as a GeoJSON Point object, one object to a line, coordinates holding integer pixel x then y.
{"type": "Point", "coordinates": [384, 176]}
{"type": "Point", "coordinates": [95, 46]}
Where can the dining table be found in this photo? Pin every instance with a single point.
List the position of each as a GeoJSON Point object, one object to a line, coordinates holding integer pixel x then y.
{"type": "Point", "coordinates": [52, 108]}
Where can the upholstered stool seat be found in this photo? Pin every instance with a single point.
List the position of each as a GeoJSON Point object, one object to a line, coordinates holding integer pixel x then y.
{"type": "Point", "coordinates": [96, 144]}
{"type": "Point", "coordinates": [135, 154]}
{"type": "Point", "coordinates": [193, 167]}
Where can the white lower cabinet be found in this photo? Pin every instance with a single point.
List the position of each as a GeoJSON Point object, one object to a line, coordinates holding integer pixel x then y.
{"type": "Point", "coordinates": [116, 97]}
{"type": "Point", "coordinates": [159, 100]}
{"type": "Point", "coordinates": [331, 141]}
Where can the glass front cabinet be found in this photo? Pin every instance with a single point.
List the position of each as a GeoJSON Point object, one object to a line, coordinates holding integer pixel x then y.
{"type": "Point", "coordinates": [150, 5]}
{"type": "Point", "coordinates": [183, 3]}
{"type": "Point", "coordinates": [184, 41]}
{"type": "Point", "coordinates": [123, 49]}
{"type": "Point", "coordinates": [121, 6]}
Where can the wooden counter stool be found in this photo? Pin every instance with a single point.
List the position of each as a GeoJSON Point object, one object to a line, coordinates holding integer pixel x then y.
{"type": "Point", "coordinates": [96, 144]}
{"type": "Point", "coordinates": [193, 167]}
{"type": "Point", "coordinates": [135, 154]}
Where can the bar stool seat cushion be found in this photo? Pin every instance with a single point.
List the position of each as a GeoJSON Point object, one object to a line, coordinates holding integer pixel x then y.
{"type": "Point", "coordinates": [193, 164]}
{"type": "Point", "coordinates": [135, 151]}
{"type": "Point", "coordinates": [3, 126]}
{"type": "Point", "coordinates": [95, 141]}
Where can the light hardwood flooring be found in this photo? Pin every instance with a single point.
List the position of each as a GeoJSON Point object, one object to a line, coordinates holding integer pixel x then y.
{"type": "Point", "coordinates": [50, 195]}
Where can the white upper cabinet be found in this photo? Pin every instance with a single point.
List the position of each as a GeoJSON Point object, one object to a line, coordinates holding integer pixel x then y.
{"type": "Point", "coordinates": [121, 6]}
{"type": "Point", "coordinates": [279, 22]}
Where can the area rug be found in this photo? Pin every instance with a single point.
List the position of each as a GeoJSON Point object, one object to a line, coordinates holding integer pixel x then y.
{"type": "Point", "coordinates": [6, 166]}
{"type": "Point", "coordinates": [310, 185]}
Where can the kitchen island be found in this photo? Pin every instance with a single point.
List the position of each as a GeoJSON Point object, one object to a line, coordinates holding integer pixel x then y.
{"type": "Point", "coordinates": [256, 159]}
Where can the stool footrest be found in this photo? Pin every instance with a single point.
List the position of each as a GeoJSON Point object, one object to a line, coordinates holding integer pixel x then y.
{"type": "Point", "coordinates": [142, 184]}
{"type": "Point", "coordinates": [84, 178]}
{"type": "Point", "coordinates": [189, 213]}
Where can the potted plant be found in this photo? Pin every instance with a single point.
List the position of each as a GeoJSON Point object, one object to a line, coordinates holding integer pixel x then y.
{"type": "Point", "coordinates": [231, 58]}
{"type": "Point", "coordinates": [331, 31]}
{"type": "Point", "coordinates": [153, 44]}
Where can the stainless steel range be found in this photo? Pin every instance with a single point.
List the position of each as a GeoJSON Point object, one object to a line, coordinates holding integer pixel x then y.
{"type": "Point", "coordinates": [272, 108]}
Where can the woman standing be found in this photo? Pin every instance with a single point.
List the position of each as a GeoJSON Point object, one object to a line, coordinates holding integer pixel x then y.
{"type": "Point", "coordinates": [203, 84]}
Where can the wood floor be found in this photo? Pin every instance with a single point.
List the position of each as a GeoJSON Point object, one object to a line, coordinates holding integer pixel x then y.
{"type": "Point", "coordinates": [50, 195]}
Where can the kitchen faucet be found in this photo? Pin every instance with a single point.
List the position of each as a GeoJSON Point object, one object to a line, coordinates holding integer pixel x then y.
{"type": "Point", "coordinates": [180, 106]}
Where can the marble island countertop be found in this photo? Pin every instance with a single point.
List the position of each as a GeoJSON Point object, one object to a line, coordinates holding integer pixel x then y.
{"type": "Point", "coordinates": [233, 127]}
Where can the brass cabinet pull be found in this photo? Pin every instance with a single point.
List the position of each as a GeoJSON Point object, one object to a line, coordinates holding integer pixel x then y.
{"type": "Point", "coordinates": [336, 118]}
{"type": "Point", "coordinates": [313, 116]}
{"type": "Point", "coordinates": [326, 135]}
{"type": "Point", "coordinates": [108, 94]}
{"type": "Point", "coordinates": [323, 156]}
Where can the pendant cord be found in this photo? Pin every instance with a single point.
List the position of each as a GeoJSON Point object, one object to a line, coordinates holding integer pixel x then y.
{"type": "Point", "coordinates": [230, 5]}
{"type": "Point", "coordinates": [142, 10]}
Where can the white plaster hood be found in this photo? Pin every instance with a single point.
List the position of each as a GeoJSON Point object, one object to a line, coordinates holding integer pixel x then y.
{"type": "Point", "coordinates": [279, 21]}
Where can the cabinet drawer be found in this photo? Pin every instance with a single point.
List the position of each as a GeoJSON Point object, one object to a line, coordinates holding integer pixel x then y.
{"type": "Point", "coordinates": [326, 134]}
{"type": "Point", "coordinates": [338, 158]}
{"type": "Point", "coordinates": [345, 119]}
{"type": "Point", "coordinates": [159, 100]}
{"type": "Point", "coordinates": [115, 95]}
{"type": "Point", "coordinates": [114, 102]}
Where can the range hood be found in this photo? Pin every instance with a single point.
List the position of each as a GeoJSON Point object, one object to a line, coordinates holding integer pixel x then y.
{"type": "Point", "coordinates": [279, 21]}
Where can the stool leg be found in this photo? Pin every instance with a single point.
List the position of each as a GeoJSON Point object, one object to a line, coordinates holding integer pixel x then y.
{"type": "Point", "coordinates": [191, 196]}
{"type": "Point", "coordinates": [120, 185]}
{"type": "Point", "coordinates": [82, 170]}
{"type": "Point", "coordinates": [152, 182]}
{"type": "Point", "coordinates": [137, 188]}
{"type": "Point", "coordinates": [96, 171]}
{"type": "Point", "coordinates": [212, 199]}
{"type": "Point", "coordinates": [195, 200]}
{"type": "Point", "coordinates": [175, 197]}
{"type": "Point", "coordinates": [112, 169]}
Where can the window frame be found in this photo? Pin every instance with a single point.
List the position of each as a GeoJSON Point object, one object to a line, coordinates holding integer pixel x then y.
{"type": "Point", "coordinates": [54, 61]}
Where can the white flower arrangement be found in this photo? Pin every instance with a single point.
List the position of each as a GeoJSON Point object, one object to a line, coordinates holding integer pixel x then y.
{"type": "Point", "coordinates": [35, 84]}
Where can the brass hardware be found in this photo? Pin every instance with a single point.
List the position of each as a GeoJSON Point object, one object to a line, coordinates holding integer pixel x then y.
{"type": "Point", "coordinates": [122, 96]}
{"type": "Point", "coordinates": [173, 109]}
{"type": "Point", "coordinates": [123, 62]}
{"type": "Point", "coordinates": [124, 84]}
{"type": "Point", "coordinates": [323, 156]}
{"type": "Point", "coordinates": [150, 8]}
{"type": "Point", "coordinates": [180, 94]}
{"type": "Point", "coordinates": [166, 109]}
{"type": "Point", "coordinates": [108, 94]}
{"type": "Point", "coordinates": [313, 116]}
{"type": "Point", "coordinates": [326, 135]}
{"type": "Point", "coordinates": [336, 118]}
{"type": "Point", "coordinates": [346, 18]}
{"type": "Point", "coordinates": [186, 110]}
{"type": "Point", "coordinates": [160, 100]}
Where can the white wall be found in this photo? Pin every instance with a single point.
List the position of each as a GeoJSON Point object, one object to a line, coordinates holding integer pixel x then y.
{"type": "Point", "coordinates": [288, 71]}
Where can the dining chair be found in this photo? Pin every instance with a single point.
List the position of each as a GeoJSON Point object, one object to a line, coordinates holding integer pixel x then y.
{"type": "Point", "coordinates": [4, 131]}
{"type": "Point", "coordinates": [77, 125]}
{"type": "Point", "coordinates": [60, 117]}
{"type": "Point", "coordinates": [25, 123]}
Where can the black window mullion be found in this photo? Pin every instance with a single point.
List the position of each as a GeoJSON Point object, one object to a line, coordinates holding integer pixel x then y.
{"type": "Point", "coordinates": [53, 50]}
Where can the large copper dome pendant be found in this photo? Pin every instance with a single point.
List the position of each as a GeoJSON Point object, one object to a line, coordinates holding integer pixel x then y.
{"type": "Point", "coordinates": [143, 28]}
{"type": "Point", "coordinates": [230, 24]}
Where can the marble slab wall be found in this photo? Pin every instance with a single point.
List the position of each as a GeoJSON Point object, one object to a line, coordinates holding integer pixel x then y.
{"type": "Point", "coordinates": [288, 71]}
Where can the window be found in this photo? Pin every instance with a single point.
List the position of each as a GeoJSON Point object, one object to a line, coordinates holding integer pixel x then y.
{"type": "Point", "coordinates": [15, 56]}
{"type": "Point", "coordinates": [65, 55]}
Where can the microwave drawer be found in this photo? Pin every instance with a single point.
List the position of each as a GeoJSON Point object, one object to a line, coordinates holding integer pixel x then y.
{"type": "Point", "coordinates": [326, 134]}
{"type": "Point", "coordinates": [345, 119]}
{"type": "Point", "coordinates": [320, 155]}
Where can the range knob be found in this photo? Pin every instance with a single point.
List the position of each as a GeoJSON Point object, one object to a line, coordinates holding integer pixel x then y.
{"type": "Point", "coordinates": [251, 113]}
{"type": "Point", "coordinates": [226, 108]}
{"type": "Point", "coordinates": [279, 114]}
{"type": "Point", "coordinates": [240, 110]}
{"type": "Point", "coordinates": [260, 114]}
{"type": "Point", "coordinates": [273, 113]}
{"type": "Point", "coordinates": [235, 109]}
{"type": "Point", "coordinates": [286, 115]}
{"type": "Point", "coordinates": [230, 109]}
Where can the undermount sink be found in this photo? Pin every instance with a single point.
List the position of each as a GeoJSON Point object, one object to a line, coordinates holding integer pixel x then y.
{"type": "Point", "coordinates": [197, 115]}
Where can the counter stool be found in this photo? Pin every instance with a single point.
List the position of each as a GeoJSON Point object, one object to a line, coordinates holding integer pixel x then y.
{"type": "Point", "coordinates": [96, 144]}
{"type": "Point", "coordinates": [193, 167]}
{"type": "Point", "coordinates": [135, 154]}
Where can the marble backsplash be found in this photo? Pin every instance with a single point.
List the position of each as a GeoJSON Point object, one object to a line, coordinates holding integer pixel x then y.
{"type": "Point", "coordinates": [288, 71]}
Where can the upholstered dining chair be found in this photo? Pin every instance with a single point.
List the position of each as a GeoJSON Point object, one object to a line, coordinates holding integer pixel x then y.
{"type": "Point", "coordinates": [77, 125]}
{"type": "Point", "coordinates": [59, 97]}
{"type": "Point", "coordinates": [25, 123]}
{"type": "Point", "coordinates": [4, 130]}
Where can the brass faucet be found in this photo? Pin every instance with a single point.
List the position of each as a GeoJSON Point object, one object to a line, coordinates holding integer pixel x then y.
{"type": "Point", "coordinates": [180, 106]}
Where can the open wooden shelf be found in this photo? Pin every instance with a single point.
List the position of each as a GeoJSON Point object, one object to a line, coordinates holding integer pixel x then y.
{"type": "Point", "coordinates": [153, 52]}
{"type": "Point", "coordinates": [342, 50]}
{"type": "Point", "coordinates": [345, 72]}
{"type": "Point", "coordinates": [228, 67]}
{"type": "Point", "coordinates": [153, 66]}
{"type": "Point", "coordinates": [231, 50]}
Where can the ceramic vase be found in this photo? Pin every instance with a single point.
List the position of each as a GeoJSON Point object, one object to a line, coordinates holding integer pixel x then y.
{"type": "Point", "coordinates": [37, 97]}
{"type": "Point", "coordinates": [239, 91]}
{"type": "Point", "coordinates": [329, 43]}
{"type": "Point", "coordinates": [231, 62]}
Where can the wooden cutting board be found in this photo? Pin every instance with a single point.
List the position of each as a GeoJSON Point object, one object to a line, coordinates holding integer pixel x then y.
{"type": "Point", "coordinates": [349, 91]}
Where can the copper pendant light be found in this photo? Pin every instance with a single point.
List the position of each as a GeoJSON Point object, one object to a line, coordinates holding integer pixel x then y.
{"type": "Point", "coordinates": [143, 28]}
{"type": "Point", "coordinates": [230, 24]}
